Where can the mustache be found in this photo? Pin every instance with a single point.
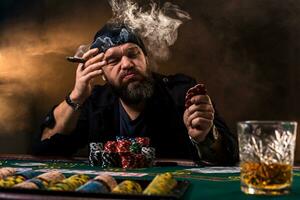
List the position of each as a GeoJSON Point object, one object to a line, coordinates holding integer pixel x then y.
{"type": "Point", "coordinates": [128, 72]}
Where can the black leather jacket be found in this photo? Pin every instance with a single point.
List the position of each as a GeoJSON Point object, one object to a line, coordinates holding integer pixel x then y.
{"type": "Point", "coordinates": [99, 122]}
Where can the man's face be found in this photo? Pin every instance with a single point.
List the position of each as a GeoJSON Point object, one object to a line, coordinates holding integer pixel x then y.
{"type": "Point", "coordinates": [127, 73]}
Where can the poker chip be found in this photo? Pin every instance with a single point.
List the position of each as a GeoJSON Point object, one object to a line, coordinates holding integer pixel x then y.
{"type": "Point", "coordinates": [125, 152]}
{"type": "Point", "coordinates": [42, 181]}
{"type": "Point", "coordinates": [93, 186]}
{"type": "Point", "coordinates": [162, 184]}
{"type": "Point", "coordinates": [102, 183]}
{"type": "Point", "coordinates": [123, 146]}
{"type": "Point", "coordinates": [95, 158]}
{"type": "Point", "coordinates": [198, 89]}
{"type": "Point", "coordinates": [143, 141]}
{"type": "Point", "coordinates": [71, 183]}
{"type": "Point", "coordinates": [51, 177]}
{"type": "Point", "coordinates": [108, 180]}
{"type": "Point", "coordinates": [110, 159]}
{"type": "Point", "coordinates": [135, 147]}
{"type": "Point", "coordinates": [127, 160]}
{"type": "Point", "coordinates": [110, 146]}
{"type": "Point", "coordinates": [96, 146]}
{"type": "Point", "coordinates": [149, 153]}
{"type": "Point", "coordinates": [128, 187]}
{"type": "Point", "coordinates": [6, 171]}
{"type": "Point", "coordinates": [17, 178]}
{"type": "Point", "coordinates": [140, 161]}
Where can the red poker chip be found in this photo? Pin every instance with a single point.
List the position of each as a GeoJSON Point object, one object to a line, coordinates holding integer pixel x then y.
{"type": "Point", "coordinates": [128, 160]}
{"type": "Point", "coordinates": [198, 89]}
{"type": "Point", "coordinates": [110, 146]}
{"type": "Point", "coordinates": [123, 146]}
{"type": "Point", "coordinates": [143, 141]}
{"type": "Point", "coordinates": [140, 160]}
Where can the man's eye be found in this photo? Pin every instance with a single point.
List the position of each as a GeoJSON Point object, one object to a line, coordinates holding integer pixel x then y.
{"type": "Point", "coordinates": [133, 54]}
{"type": "Point", "coordinates": [112, 61]}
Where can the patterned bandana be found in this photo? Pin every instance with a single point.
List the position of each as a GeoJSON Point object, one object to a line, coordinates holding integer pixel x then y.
{"type": "Point", "coordinates": [113, 35]}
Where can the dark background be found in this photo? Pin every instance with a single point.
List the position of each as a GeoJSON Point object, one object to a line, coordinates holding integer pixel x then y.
{"type": "Point", "coordinates": [246, 52]}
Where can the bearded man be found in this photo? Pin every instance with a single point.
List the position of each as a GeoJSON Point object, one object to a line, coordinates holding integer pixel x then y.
{"type": "Point", "coordinates": [135, 102]}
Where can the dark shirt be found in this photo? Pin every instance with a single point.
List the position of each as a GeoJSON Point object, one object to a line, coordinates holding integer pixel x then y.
{"type": "Point", "coordinates": [131, 128]}
{"type": "Point", "coordinates": [162, 122]}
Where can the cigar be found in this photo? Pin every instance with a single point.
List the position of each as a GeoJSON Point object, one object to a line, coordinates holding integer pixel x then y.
{"type": "Point", "coordinates": [76, 59]}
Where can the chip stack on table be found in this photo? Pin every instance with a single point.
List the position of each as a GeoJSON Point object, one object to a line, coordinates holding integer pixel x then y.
{"type": "Point", "coordinates": [100, 184]}
{"type": "Point", "coordinates": [128, 187]}
{"type": "Point", "coordinates": [42, 181]}
{"type": "Point", "coordinates": [162, 184]}
{"type": "Point", "coordinates": [17, 178]}
{"type": "Point", "coordinates": [125, 152]}
{"type": "Point", "coordinates": [7, 171]}
{"type": "Point", "coordinates": [71, 183]}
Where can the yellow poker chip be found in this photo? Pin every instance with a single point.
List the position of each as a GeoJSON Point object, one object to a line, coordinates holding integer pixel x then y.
{"type": "Point", "coordinates": [11, 181]}
{"type": "Point", "coordinates": [162, 184]}
{"type": "Point", "coordinates": [71, 183]}
{"type": "Point", "coordinates": [128, 187]}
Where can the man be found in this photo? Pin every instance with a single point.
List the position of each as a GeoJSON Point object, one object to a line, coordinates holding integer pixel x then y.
{"type": "Point", "coordinates": [135, 102]}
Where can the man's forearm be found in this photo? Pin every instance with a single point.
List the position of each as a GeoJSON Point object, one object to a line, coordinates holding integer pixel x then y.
{"type": "Point", "coordinates": [65, 118]}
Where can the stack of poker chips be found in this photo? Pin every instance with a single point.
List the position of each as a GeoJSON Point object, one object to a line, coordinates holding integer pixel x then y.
{"type": "Point", "coordinates": [100, 184]}
{"type": "Point", "coordinates": [162, 184]}
{"type": "Point", "coordinates": [95, 154]}
{"type": "Point", "coordinates": [17, 178]}
{"type": "Point", "coordinates": [123, 152]}
{"type": "Point", "coordinates": [128, 187]}
{"type": "Point", "coordinates": [71, 183]}
{"type": "Point", "coordinates": [42, 181]}
{"type": "Point", "coordinates": [7, 171]}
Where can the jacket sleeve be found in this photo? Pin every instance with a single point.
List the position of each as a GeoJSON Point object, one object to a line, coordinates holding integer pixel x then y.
{"type": "Point", "coordinates": [60, 144]}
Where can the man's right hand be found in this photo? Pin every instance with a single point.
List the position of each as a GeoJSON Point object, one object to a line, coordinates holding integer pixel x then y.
{"type": "Point", "coordinates": [85, 73]}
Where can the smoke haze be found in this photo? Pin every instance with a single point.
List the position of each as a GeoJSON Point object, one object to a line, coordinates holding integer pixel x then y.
{"type": "Point", "coordinates": [153, 23]}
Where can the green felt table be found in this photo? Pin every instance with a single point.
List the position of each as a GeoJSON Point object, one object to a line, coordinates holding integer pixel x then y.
{"type": "Point", "coordinates": [202, 186]}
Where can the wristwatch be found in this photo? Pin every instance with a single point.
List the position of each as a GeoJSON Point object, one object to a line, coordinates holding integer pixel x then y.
{"type": "Point", "coordinates": [211, 138]}
{"type": "Point", "coordinates": [75, 106]}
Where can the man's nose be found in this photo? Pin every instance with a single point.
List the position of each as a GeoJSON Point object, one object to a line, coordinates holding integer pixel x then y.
{"type": "Point", "coordinates": [126, 63]}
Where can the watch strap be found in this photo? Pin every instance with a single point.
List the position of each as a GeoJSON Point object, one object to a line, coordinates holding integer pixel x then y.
{"type": "Point", "coordinates": [75, 106]}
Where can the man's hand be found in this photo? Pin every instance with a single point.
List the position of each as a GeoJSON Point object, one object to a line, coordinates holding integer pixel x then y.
{"type": "Point", "coordinates": [198, 118]}
{"type": "Point", "coordinates": [85, 73]}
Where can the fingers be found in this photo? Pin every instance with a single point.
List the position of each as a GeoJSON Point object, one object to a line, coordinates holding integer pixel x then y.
{"type": "Point", "coordinates": [201, 123]}
{"type": "Point", "coordinates": [94, 67]}
{"type": "Point", "coordinates": [200, 99]}
{"type": "Point", "coordinates": [91, 75]}
{"type": "Point", "coordinates": [95, 59]}
{"type": "Point", "coordinates": [89, 56]}
{"type": "Point", "coordinates": [90, 53]}
{"type": "Point", "coordinates": [199, 114]}
{"type": "Point", "coordinates": [200, 107]}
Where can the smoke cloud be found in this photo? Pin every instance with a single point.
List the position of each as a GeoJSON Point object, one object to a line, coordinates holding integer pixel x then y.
{"type": "Point", "coordinates": [157, 26]}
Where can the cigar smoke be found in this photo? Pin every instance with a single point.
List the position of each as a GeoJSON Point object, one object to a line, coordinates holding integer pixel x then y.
{"type": "Point", "coordinates": [156, 25]}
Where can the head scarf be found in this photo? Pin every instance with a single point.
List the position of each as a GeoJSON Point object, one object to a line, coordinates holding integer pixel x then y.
{"type": "Point", "coordinates": [112, 35]}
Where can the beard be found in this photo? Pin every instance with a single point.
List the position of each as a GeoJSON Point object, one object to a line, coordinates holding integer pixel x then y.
{"type": "Point", "coordinates": [135, 91]}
